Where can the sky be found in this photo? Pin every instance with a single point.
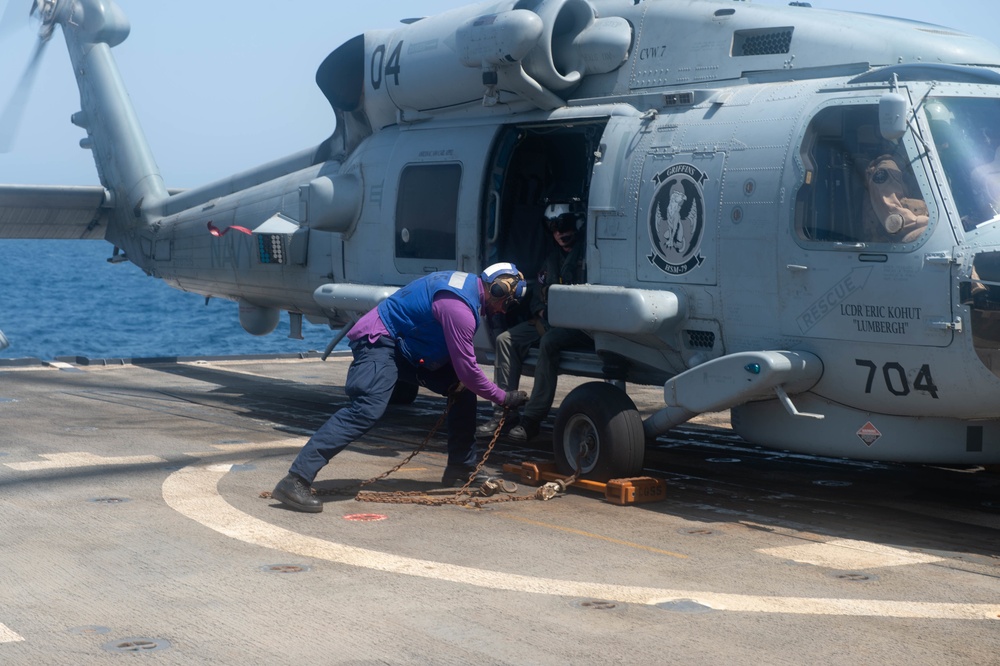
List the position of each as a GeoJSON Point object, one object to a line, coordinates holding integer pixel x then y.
{"type": "Point", "coordinates": [224, 86]}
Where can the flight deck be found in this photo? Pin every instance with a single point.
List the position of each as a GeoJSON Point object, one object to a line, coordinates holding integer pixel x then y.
{"type": "Point", "coordinates": [133, 521]}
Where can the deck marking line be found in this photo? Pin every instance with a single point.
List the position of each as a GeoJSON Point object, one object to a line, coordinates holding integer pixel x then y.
{"type": "Point", "coordinates": [193, 492]}
{"type": "Point", "coordinates": [81, 459]}
{"type": "Point", "coordinates": [850, 555]}
{"type": "Point", "coordinates": [245, 447]}
{"type": "Point", "coordinates": [7, 635]}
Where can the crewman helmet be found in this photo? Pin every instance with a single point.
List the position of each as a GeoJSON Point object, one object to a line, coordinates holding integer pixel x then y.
{"type": "Point", "coordinates": [564, 217]}
{"type": "Point", "coordinates": [504, 281]}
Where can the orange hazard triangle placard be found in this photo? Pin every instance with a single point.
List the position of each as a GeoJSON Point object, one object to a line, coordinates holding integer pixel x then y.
{"type": "Point", "coordinates": [869, 434]}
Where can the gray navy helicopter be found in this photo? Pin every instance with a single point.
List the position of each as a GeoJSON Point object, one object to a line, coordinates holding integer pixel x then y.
{"type": "Point", "coordinates": [791, 213]}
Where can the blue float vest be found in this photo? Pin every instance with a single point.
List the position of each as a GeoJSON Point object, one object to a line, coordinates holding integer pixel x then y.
{"type": "Point", "coordinates": [408, 317]}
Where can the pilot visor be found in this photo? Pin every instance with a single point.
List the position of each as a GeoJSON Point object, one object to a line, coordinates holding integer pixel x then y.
{"type": "Point", "coordinates": [565, 222]}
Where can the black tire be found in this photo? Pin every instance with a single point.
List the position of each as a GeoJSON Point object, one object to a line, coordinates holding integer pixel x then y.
{"type": "Point", "coordinates": [605, 420]}
{"type": "Point", "coordinates": [403, 393]}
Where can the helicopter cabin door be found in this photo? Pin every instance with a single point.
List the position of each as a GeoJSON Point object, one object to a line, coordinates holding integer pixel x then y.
{"type": "Point", "coordinates": [651, 201]}
{"type": "Point", "coordinates": [868, 256]}
{"type": "Point", "coordinates": [432, 190]}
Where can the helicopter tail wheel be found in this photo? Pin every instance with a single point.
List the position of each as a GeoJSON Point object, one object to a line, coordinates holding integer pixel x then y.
{"type": "Point", "coordinates": [599, 430]}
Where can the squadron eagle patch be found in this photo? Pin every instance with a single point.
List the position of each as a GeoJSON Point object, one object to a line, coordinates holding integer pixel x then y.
{"type": "Point", "coordinates": [677, 219]}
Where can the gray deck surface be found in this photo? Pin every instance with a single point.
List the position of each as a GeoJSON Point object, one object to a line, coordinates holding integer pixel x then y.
{"type": "Point", "coordinates": [131, 521]}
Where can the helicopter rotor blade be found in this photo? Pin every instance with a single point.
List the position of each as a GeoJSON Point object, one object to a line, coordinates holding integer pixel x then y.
{"type": "Point", "coordinates": [12, 113]}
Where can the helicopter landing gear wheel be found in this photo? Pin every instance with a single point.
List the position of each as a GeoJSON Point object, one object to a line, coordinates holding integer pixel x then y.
{"type": "Point", "coordinates": [599, 430]}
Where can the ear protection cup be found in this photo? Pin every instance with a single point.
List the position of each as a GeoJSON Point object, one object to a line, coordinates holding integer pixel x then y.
{"type": "Point", "coordinates": [500, 288]}
{"type": "Point", "coordinates": [504, 281]}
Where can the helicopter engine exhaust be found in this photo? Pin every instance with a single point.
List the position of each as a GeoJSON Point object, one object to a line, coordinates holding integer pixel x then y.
{"type": "Point", "coordinates": [506, 56]}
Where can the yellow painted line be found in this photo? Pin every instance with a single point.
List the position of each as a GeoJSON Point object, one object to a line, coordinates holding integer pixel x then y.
{"type": "Point", "coordinates": [293, 443]}
{"type": "Point", "coordinates": [242, 447]}
{"type": "Point", "coordinates": [193, 492]}
{"type": "Point", "coordinates": [9, 636]}
{"type": "Point", "coordinates": [591, 535]}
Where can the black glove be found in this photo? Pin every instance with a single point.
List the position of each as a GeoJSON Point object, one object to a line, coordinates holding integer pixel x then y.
{"type": "Point", "coordinates": [514, 399]}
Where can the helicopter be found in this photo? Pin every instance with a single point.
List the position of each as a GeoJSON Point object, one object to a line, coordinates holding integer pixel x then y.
{"type": "Point", "coordinates": [791, 213]}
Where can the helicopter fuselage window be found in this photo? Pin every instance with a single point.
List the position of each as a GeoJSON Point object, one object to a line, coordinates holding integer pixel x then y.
{"type": "Point", "coordinates": [857, 187]}
{"type": "Point", "coordinates": [966, 133]}
{"type": "Point", "coordinates": [427, 211]}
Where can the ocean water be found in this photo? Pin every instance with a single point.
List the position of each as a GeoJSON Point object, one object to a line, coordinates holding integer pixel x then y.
{"type": "Point", "coordinates": [62, 298]}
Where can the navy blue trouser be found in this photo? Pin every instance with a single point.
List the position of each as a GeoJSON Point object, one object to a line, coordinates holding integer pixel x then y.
{"type": "Point", "coordinates": [370, 380]}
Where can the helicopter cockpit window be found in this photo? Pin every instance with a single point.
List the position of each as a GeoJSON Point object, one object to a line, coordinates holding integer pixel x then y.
{"type": "Point", "coordinates": [858, 187]}
{"type": "Point", "coordinates": [427, 211]}
{"type": "Point", "coordinates": [966, 133]}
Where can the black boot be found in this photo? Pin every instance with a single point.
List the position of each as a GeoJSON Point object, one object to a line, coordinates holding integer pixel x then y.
{"type": "Point", "coordinates": [488, 429]}
{"type": "Point", "coordinates": [526, 431]}
{"type": "Point", "coordinates": [458, 475]}
{"type": "Point", "coordinates": [295, 493]}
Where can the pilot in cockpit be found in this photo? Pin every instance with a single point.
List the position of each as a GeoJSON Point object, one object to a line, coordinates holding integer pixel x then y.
{"type": "Point", "coordinates": [986, 177]}
{"type": "Point", "coordinates": [894, 211]}
{"type": "Point", "coordinates": [967, 148]}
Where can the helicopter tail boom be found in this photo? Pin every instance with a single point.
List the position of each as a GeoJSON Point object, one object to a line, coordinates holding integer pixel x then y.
{"type": "Point", "coordinates": [122, 155]}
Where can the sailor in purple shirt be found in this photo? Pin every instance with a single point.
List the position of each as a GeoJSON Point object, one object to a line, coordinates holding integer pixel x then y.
{"type": "Point", "coordinates": [422, 334]}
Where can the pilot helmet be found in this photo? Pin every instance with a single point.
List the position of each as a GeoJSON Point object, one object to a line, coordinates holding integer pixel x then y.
{"type": "Point", "coordinates": [937, 111]}
{"type": "Point", "coordinates": [563, 217]}
{"type": "Point", "coordinates": [504, 281]}
{"type": "Point", "coordinates": [941, 119]}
